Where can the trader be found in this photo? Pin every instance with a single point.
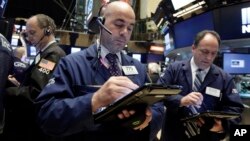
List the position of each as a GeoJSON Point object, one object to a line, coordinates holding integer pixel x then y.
{"type": "Point", "coordinates": [205, 87]}
{"type": "Point", "coordinates": [68, 102]}
{"type": "Point", "coordinates": [21, 111]}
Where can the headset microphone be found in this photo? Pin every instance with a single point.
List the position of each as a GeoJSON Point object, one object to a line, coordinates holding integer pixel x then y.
{"type": "Point", "coordinates": [100, 21]}
{"type": "Point", "coordinates": [39, 41]}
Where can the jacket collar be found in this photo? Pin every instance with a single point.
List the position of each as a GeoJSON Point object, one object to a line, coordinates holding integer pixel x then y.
{"type": "Point", "coordinates": [210, 77]}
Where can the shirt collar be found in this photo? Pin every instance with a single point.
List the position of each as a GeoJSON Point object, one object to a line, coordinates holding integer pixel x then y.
{"type": "Point", "coordinates": [194, 67]}
{"type": "Point", "coordinates": [51, 42]}
{"type": "Point", "coordinates": [105, 51]}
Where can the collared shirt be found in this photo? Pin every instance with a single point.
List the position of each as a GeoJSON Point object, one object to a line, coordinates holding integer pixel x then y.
{"type": "Point", "coordinates": [51, 42]}
{"type": "Point", "coordinates": [194, 68]}
{"type": "Point", "coordinates": [38, 54]}
{"type": "Point", "coordinates": [104, 52]}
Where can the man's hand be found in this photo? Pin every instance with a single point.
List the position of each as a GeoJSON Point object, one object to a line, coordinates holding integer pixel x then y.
{"type": "Point", "coordinates": [148, 117]}
{"type": "Point", "coordinates": [217, 126]}
{"type": "Point", "coordinates": [114, 88]}
{"type": "Point", "coordinates": [13, 80]}
{"type": "Point", "coordinates": [193, 98]}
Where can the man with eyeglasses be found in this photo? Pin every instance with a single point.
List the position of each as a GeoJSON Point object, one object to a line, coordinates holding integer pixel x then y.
{"type": "Point", "coordinates": [205, 87]}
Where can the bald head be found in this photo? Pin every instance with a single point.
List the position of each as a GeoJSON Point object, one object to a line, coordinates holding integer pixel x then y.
{"type": "Point", "coordinates": [120, 20]}
{"type": "Point", "coordinates": [119, 7]}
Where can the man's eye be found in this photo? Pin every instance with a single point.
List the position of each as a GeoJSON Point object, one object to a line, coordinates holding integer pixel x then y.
{"type": "Point", "coordinates": [204, 51]}
{"type": "Point", "coordinates": [119, 25]}
{"type": "Point", "coordinates": [130, 28]}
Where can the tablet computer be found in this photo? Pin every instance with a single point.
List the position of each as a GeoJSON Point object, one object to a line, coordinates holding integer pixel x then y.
{"type": "Point", "coordinates": [145, 95]}
{"type": "Point", "coordinates": [214, 114]}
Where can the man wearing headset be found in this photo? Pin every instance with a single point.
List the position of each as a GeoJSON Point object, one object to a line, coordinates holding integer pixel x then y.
{"type": "Point", "coordinates": [20, 121]}
{"type": "Point", "coordinates": [67, 106]}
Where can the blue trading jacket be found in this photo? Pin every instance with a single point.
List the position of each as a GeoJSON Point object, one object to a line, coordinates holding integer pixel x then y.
{"type": "Point", "coordinates": [180, 74]}
{"type": "Point", "coordinates": [6, 67]}
{"type": "Point", "coordinates": [66, 102]}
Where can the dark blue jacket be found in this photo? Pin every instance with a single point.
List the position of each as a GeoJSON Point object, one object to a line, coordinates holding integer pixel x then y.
{"type": "Point", "coordinates": [19, 101]}
{"type": "Point", "coordinates": [180, 74]}
{"type": "Point", "coordinates": [6, 66]}
{"type": "Point", "coordinates": [66, 103]}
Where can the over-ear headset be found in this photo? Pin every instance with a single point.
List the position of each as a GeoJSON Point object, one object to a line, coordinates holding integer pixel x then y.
{"type": "Point", "coordinates": [100, 13]}
{"type": "Point", "coordinates": [47, 31]}
{"type": "Point", "coordinates": [101, 20]}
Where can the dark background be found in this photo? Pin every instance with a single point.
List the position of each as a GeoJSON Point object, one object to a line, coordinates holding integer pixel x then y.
{"type": "Point", "coordinates": [27, 8]}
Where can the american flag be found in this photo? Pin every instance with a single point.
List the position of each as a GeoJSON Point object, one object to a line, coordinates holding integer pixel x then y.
{"type": "Point", "coordinates": [47, 64]}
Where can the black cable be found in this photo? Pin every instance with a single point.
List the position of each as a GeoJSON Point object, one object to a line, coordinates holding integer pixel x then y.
{"type": "Point", "coordinates": [68, 13]}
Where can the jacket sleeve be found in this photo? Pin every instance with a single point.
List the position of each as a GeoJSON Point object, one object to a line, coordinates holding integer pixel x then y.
{"type": "Point", "coordinates": [62, 110]}
{"type": "Point", "coordinates": [5, 65]}
{"type": "Point", "coordinates": [36, 77]}
{"type": "Point", "coordinates": [169, 78]}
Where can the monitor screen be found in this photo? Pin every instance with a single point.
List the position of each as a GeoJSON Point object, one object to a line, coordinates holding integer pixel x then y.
{"type": "Point", "coordinates": [169, 45]}
{"type": "Point", "coordinates": [235, 63]}
{"type": "Point", "coordinates": [23, 28]}
{"type": "Point", "coordinates": [151, 57]}
{"type": "Point", "coordinates": [137, 56]}
{"type": "Point", "coordinates": [185, 31]}
{"type": "Point", "coordinates": [17, 28]}
{"type": "Point", "coordinates": [31, 51]}
{"type": "Point", "coordinates": [232, 22]}
{"type": "Point", "coordinates": [14, 41]}
{"type": "Point", "coordinates": [177, 4]}
{"type": "Point", "coordinates": [75, 49]}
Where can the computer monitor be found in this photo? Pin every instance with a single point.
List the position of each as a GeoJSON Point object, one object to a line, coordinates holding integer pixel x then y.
{"type": "Point", "coordinates": [75, 49]}
{"type": "Point", "coordinates": [137, 56]}
{"type": "Point", "coordinates": [236, 63]}
{"type": "Point", "coordinates": [177, 4]}
{"type": "Point", "coordinates": [14, 41]}
{"type": "Point", "coordinates": [31, 51]}
{"type": "Point", "coordinates": [17, 28]}
{"type": "Point", "coordinates": [23, 28]}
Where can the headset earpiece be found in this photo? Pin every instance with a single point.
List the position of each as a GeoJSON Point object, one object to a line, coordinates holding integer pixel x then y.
{"type": "Point", "coordinates": [47, 32]}
{"type": "Point", "coordinates": [101, 19]}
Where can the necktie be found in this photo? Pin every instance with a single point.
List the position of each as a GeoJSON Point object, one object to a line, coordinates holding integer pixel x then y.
{"type": "Point", "coordinates": [196, 87]}
{"type": "Point", "coordinates": [197, 80]}
{"type": "Point", "coordinates": [114, 69]}
{"type": "Point", "coordinates": [191, 127]}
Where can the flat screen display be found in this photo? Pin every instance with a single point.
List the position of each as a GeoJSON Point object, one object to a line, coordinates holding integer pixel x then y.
{"type": "Point", "coordinates": [75, 49]}
{"type": "Point", "coordinates": [137, 56]}
{"type": "Point", "coordinates": [14, 41]}
{"type": "Point", "coordinates": [177, 4]}
{"type": "Point", "coordinates": [31, 51]}
{"type": "Point", "coordinates": [185, 31]}
{"type": "Point", "coordinates": [169, 45]}
{"type": "Point", "coordinates": [155, 57]}
{"type": "Point", "coordinates": [233, 22]}
{"type": "Point", "coordinates": [235, 63]}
